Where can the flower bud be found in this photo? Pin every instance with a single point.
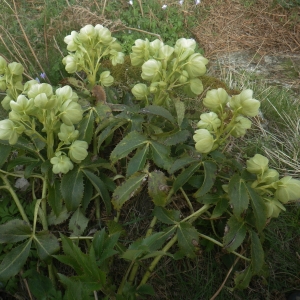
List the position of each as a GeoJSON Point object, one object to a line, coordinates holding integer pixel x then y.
{"type": "Point", "coordinates": [5, 102]}
{"type": "Point", "coordinates": [257, 164]}
{"type": "Point", "coordinates": [140, 91]}
{"type": "Point", "coordinates": [15, 68]}
{"type": "Point", "coordinates": [71, 63]}
{"type": "Point", "coordinates": [196, 86]}
{"type": "Point", "coordinates": [72, 41]}
{"type": "Point", "coordinates": [61, 163]}
{"type": "Point", "coordinates": [241, 125]}
{"type": "Point", "coordinates": [78, 151]}
{"type": "Point", "coordinates": [183, 76]}
{"type": "Point", "coordinates": [269, 176]}
{"type": "Point", "coordinates": [2, 83]}
{"type": "Point", "coordinates": [103, 34]}
{"type": "Point", "coordinates": [209, 121]}
{"type": "Point", "coordinates": [287, 189]}
{"type": "Point", "coordinates": [151, 69]}
{"type": "Point", "coordinates": [67, 134]}
{"type": "Point", "coordinates": [140, 52]}
{"type": "Point", "coordinates": [273, 208]}
{"type": "Point", "coordinates": [196, 65]}
{"type": "Point", "coordinates": [245, 104]}
{"type": "Point", "coordinates": [204, 140]}
{"type": "Point", "coordinates": [3, 65]}
{"type": "Point", "coordinates": [9, 131]}
{"type": "Point", "coordinates": [106, 79]}
{"type": "Point", "coordinates": [216, 99]}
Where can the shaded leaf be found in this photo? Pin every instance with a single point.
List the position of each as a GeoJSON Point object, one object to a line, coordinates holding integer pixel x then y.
{"type": "Point", "coordinates": [257, 253]}
{"type": "Point", "coordinates": [78, 222]}
{"type": "Point", "coordinates": [158, 111]}
{"type": "Point", "coordinates": [180, 111]}
{"type": "Point", "coordinates": [137, 162]}
{"type": "Point", "coordinates": [180, 163]}
{"type": "Point", "coordinates": [88, 193]}
{"type": "Point", "coordinates": [55, 197]}
{"type": "Point", "coordinates": [161, 155]}
{"type": "Point", "coordinates": [220, 208]}
{"type": "Point", "coordinates": [22, 144]}
{"type": "Point", "coordinates": [176, 138]}
{"type": "Point", "coordinates": [14, 231]}
{"type": "Point", "coordinates": [166, 216]}
{"type": "Point", "coordinates": [21, 160]}
{"type": "Point", "coordinates": [5, 151]}
{"type": "Point", "coordinates": [188, 237]}
{"type": "Point", "coordinates": [210, 170]}
{"type": "Point", "coordinates": [86, 127]}
{"type": "Point", "coordinates": [52, 219]}
{"type": "Point", "coordinates": [158, 188]}
{"type": "Point", "coordinates": [242, 279]}
{"type": "Point", "coordinates": [46, 244]}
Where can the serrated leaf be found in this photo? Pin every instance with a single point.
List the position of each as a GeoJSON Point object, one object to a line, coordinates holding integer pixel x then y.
{"type": "Point", "coordinates": [180, 111]}
{"type": "Point", "coordinates": [78, 223]}
{"type": "Point", "coordinates": [242, 279]}
{"type": "Point", "coordinates": [158, 188]}
{"type": "Point", "coordinates": [100, 187]}
{"type": "Point", "coordinates": [161, 155]}
{"type": "Point", "coordinates": [220, 208]}
{"type": "Point", "coordinates": [103, 110]}
{"type": "Point", "coordinates": [52, 219]}
{"type": "Point", "coordinates": [238, 195]}
{"type": "Point", "coordinates": [87, 195]}
{"type": "Point", "coordinates": [210, 198]}
{"type": "Point", "coordinates": [158, 111]}
{"type": "Point", "coordinates": [14, 231]}
{"type": "Point", "coordinates": [188, 237]}
{"type": "Point", "coordinates": [145, 289]}
{"type": "Point", "coordinates": [137, 162]}
{"type": "Point", "coordinates": [29, 169]}
{"type": "Point", "coordinates": [22, 144]}
{"type": "Point", "coordinates": [46, 244]}
{"type": "Point", "coordinates": [180, 163]}
{"type": "Point", "coordinates": [210, 170]}
{"type": "Point", "coordinates": [259, 209]}
{"type": "Point", "coordinates": [72, 188]}
{"type": "Point", "coordinates": [14, 260]}
{"type": "Point", "coordinates": [86, 127]}
{"type": "Point", "coordinates": [185, 175]}
{"type": "Point", "coordinates": [22, 160]}
{"type": "Point", "coordinates": [257, 253]}
{"type": "Point", "coordinates": [127, 190]}
{"type": "Point", "coordinates": [176, 138]}
{"type": "Point", "coordinates": [235, 235]}
{"type": "Point", "coordinates": [55, 197]}
{"type": "Point", "coordinates": [166, 216]}
{"type": "Point", "coordinates": [5, 151]}
{"type": "Point", "coordinates": [131, 141]}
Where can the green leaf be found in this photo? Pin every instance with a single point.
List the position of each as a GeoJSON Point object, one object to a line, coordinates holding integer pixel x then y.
{"type": "Point", "coordinates": [14, 231]}
{"type": "Point", "coordinates": [158, 111]}
{"type": "Point", "coordinates": [78, 222]}
{"type": "Point", "coordinates": [100, 187]}
{"type": "Point", "coordinates": [235, 235]}
{"type": "Point", "coordinates": [72, 188]}
{"type": "Point", "coordinates": [210, 198]}
{"type": "Point", "coordinates": [86, 127]}
{"type": "Point", "coordinates": [176, 138]}
{"type": "Point", "coordinates": [210, 170]}
{"type": "Point", "coordinates": [259, 209]}
{"type": "Point", "coordinates": [46, 244]}
{"type": "Point", "coordinates": [103, 111]}
{"type": "Point", "coordinates": [185, 175]}
{"type": "Point", "coordinates": [158, 188]}
{"type": "Point", "coordinates": [127, 190]}
{"type": "Point", "coordinates": [29, 169]}
{"type": "Point", "coordinates": [180, 163]}
{"type": "Point", "coordinates": [55, 197]}
{"type": "Point", "coordinates": [238, 195]}
{"type": "Point", "coordinates": [52, 219]}
{"type": "Point", "coordinates": [166, 216]}
{"type": "Point", "coordinates": [21, 160]}
{"type": "Point", "coordinates": [137, 162]}
{"type": "Point", "coordinates": [257, 253]}
{"type": "Point", "coordinates": [87, 196]}
{"type": "Point", "coordinates": [5, 151]}
{"type": "Point", "coordinates": [145, 289]}
{"type": "Point", "coordinates": [220, 208]}
{"type": "Point", "coordinates": [131, 141]}
{"type": "Point", "coordinates": [188, 237]}
{"type": "Point", "coordinates": [161, 155]}
{"type": "Point", "coordinates": [14, 260]}
{"type": "Point", "coordinates": [22, 144]}
{"type": "Point", "coordinates": [180, 111]}
{"type": "Point", "coordinates": [242, 279]}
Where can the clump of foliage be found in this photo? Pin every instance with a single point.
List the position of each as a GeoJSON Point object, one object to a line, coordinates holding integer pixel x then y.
{"type": "Point", "coordinates": [93, 144]}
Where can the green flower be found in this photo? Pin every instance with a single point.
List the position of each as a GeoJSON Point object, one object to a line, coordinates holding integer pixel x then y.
{"type": "Point", "coordinates": [10, 132]}
{"type": "Point", "coordinates": [78, 151]}
{"type": "Point", "coordinates": [3, 65]}
{"type": "Point", "coordinates": [209, 121]}
{"type": "Point", "coordinates": [196, 65]}
{"type": "Point", "coordinates": [216, 99]}
{"type": "Point", "coordinates": [65, 93]}
{"type": "Point", "coordinates": [196, 86]}
{"type": "Point", "coordinates": [103, 34]}
{"type": "Point", "coordinates": [22, 105]}
{"type": "Point", "coordinates": [204, 140]}
{"type": "Point", "coordinates": [71, 112]}
{"type": "Point", "coordinates": [269, 176]}
{"type": "Point", "coordinates": [151, 70]}
{"type": "Point", "coordinates": [184, 48]}
{"type": "Point", "coordinates": [184, 76]}
{"type": "Point", "coordinates": [37, 89]}
{"type": "Point", "coordinates": [67, 134]}
{"type": "Point", "coordinates": [72, 41]}
{"type": "Point", "coordinates": [3, 83]}
{"type": "Point", "coordinates": [140, 91]}
{"type": "Point", "coordinates": [87, 33]}
{"type": "Point", "coordinates": [106, 79]}
{"type": "Point", "coordinates": [140, 52]}
{"type": "Point", "coordinates": [43, 102]}
{"type": "Point", "coordinates": [70, 63]}
{"type": "Point", "coordinates": [241, 125]}
{"type": "Point", "coordinates": [154, 47]}
{"type": "Point", "coordinates": [61, 163]}
{"type": "Point", "coordinates": [257, 164]}
{"type": "Point", "coordinates": [165, 52]}
{"type": "Point", "coordinates": [15, 68]}
{"type": "Point", "coordinates": [287, 189]}
{"type": "Point", "coordinates": [29, 84]}
{"type": "Point", "coordinates": [6, 102]}
{"type": "Point", "coordinates": [245, 104]}
{"type": "Point", "coordinates": [116, 57]}
{"type": "Point", "coordinates": [273, 208]}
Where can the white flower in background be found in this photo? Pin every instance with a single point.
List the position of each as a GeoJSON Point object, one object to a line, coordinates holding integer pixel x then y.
{"type": "Point", "coordinates": [130, 2]}
{"type": "Point", "coordinates": [181, 2]}
{"type": "Point", "coordinates": [197, 2]}
{"type": "Point", "coordinates": [164, 6]}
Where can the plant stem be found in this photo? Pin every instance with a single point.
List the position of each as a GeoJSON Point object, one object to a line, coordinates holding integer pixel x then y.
{"type": "Point", "coordinates": [121, 286]}
{"type": "Point", "coordinates": [43, 215]}
{"type": "Point", "coordinates": [187, 200]}
{"type": "Point", "coordinates": [197, 213]}
{"type": "Point", "coordinates": [15, 197]}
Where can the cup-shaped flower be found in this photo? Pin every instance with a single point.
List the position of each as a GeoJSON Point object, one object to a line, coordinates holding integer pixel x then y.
{"type": "Point", "coordinates": [116, 57]}
{"type": "Point", "coordinates": [165, 52]}
{"type": "Point", "coordinates": [37, 89]}
{"type": "Point", "coordinates": [9, 131]}
{"type": "Point", "coordinates": [258, 164]}
{"type": "Point", "coordinates": [6, 102]}
{"type": "Point", "coordinates": [140, 91]}
{"type": "Point", "coordinates": [87, 33]}
{"type": "Point", "coordinates": [151, 70]}
{"type": "Point", "coordinates": [106, 79]}
{"type": "Point", "coordinates": [140, 52]}
{"type": "Point", "coordinates": [15, 68]}
{"type": "Point", "coordinates": [70, 63]}
{"type": "Point", "coordinates": [43, 102]}
{"type": "Point", "coordinates": [103, 34]}
{"type": "Point", "coordinates": [154, 47]}
{"type": "Point", "coordinates": [269, 176]}
{"type": "Point", "coordinates": [209, 121]}
{"type": "Point", "coordinates": [204, 140]}
{"type": "Point", "coordinates": [61, 163]}
{"type": "Point", "coordinates": [183, 77]}
{"type": "Point", "coordinates": [3, 83]}
{"type": "Point", "coordinates": [72, 41]}
{"type": "Point", "coordinates": [245, 104]}
{"type": "Point", "coordinates": [3, 65]}
{"type": "Point", "coordinates": [67, 134]}
{"type": "Point", "coordinates": [216, 99]}
{"type": "Point", "coordinates": [71, 112]}
{"type": "Point", "coordinates": [29, 84]}
{"type": "Point", "coordinates": [65, 93]}
{"type": "Point", "coordinates": [241, 124]}
{"type": "Point", "coordinates": [184, 48]}
{"type": "Point", "coordinates": [287, 189]}
{"type": "Point", "coordinates": [196, 86]}
{"type": "Point", "coordinates": [273, 208]}
{"type": "Point", "coordinates": [78, 151]}
{"type": "Point", "coordinates": [196, 65]}
{"type": "Point", "coordinates": [22, 105]}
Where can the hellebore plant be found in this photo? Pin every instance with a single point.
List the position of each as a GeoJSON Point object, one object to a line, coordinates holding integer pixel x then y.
{"type": "Point", "coordinates": [116, 150]}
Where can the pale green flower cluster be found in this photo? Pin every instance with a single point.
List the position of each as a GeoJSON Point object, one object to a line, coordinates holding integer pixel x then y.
{"type": "Point", "coordinates": [228, 117]}
{"type": "Point", "coordinates": [10, 80]}
{"type": "Point", "coordinates": [57, 114]}
{"type": "Point", "coordinates": [274, 191]}
{"type": "Point", "coordinates": [167, 68]}
{"type": "Point", "coordinates": [87, 48]}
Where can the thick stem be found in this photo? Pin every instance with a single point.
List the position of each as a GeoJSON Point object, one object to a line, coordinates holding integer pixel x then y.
{"type": "Point", "coordinates": [43, 214]}
{"type": "Point", "coordinates": [187, 200]}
